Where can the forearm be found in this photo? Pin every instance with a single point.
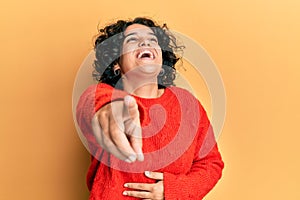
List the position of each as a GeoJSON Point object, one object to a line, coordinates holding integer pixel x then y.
{"type": "Point", "coordinates": [202, 177]}
{"type": "Point", "coordinates": [205, 170]}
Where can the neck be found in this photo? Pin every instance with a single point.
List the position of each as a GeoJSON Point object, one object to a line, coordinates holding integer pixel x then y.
{"type": "Point", "coordinates": [143, 88]}
{"type": "Point", "coordinates": [148, 91]}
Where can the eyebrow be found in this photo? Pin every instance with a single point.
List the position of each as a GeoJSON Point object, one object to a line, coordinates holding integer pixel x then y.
{"type": "Point", "coordinates": [134, 33]}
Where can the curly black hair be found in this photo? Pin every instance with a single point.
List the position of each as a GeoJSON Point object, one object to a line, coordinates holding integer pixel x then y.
{"type": "Point", "coordinates": [108, 49]}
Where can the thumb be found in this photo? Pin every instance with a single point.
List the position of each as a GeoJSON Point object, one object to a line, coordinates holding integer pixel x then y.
{"type": "Point", "coordinates": [155, 175]}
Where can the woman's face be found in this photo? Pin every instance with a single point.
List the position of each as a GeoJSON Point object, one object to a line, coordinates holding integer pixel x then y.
{"type": "Point", "coordinates": [141, 52]}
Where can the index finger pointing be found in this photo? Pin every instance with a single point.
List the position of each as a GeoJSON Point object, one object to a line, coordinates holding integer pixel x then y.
{"type": "Point", "coordinates": [136, 143]}
{"type": "Point", "coordinates": [133, 125]}
{"type": "Point", "coordinates": [120, 140]}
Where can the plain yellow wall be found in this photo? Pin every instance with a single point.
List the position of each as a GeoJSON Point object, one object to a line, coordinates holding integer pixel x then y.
{"type": "Point", "coordinates": [255, 44]}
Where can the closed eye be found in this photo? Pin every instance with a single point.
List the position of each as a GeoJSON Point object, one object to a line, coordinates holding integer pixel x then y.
{"type": "Point", "coordinates": [132, 39]}
{"type": "Point", "coordinates": [153, 40]}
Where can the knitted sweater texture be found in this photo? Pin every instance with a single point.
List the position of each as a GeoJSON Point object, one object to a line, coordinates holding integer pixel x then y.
{"type": "Point", "coordinates": [178, 141]}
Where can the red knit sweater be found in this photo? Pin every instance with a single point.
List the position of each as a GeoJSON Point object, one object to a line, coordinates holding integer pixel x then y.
{"type": "Point", "coordinates": [177, 140]}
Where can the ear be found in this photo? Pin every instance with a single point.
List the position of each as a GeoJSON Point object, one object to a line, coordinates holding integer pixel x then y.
{"type": "Point", "coordinates": [116, 67]}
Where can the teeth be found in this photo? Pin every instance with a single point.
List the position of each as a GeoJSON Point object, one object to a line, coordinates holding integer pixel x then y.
{"type": "Point", "coordinates": [146, 52]}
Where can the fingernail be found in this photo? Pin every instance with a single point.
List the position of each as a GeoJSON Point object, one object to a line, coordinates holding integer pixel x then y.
{"type": "Point", "coordinates": [140, 156]}
{"type": "Point", "coordinates": [147, 173]}
{"type": "Point", "coordinates": [125, 193]}
{"type": "Point", "coordinates": [132, 158]}
{"type": "Point", "coordinates": [125, 185]}
{"type": "Point", "coordinates": [128, 99]}
{"type": "Point", "coordinates": [127, 160]}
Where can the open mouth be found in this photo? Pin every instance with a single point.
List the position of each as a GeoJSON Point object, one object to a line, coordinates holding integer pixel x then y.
{"type": "Point", "coordinates": [145, 54]}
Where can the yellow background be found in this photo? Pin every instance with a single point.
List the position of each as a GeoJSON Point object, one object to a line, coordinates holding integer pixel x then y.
{"type": "Point", "coordinates": [255, 44]}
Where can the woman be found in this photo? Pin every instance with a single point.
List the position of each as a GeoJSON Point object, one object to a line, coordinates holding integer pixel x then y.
{"type": "Point", "coordinates": [135, 63]}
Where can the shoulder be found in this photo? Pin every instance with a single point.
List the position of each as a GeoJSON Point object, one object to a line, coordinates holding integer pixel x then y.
{"type": "Point", "coordinates": [95, 87]}
{"type": "Point", "coordinates": [102, 89]}
{"type": "Point", "coordinates": [182, 93]}
{"type": "Point", "coordinates": [186, 98]}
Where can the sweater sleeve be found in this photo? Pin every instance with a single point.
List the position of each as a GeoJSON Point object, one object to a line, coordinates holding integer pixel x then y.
{"type": "Point", "coordinates": [206, 169]}
{"type": "Point", "coordinates": [92, 99]}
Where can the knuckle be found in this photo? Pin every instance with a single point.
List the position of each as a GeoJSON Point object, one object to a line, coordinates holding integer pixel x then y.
{"type": "Point", "coordinates": [128, 128]}
{"type": "Point", "coordinates": [102, 113]}
{"type": "Point", "coordinates": [139, 186]}
{"type": "Point", "coordinates": [129, 193]}
{"type": "Point", "coordinates": [154, 189]}
{"type": "Point", "coordinates": [156, 196]}
{"type": "Point", "coordinates": [135, 115]}
{"type": "Point", "coordinates": [115, 134]}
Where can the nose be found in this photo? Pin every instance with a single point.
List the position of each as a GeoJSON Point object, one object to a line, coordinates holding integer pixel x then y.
{"type": "Point", "coordinates": [144, 42]}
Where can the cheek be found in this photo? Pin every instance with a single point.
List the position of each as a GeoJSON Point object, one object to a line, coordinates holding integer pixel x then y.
{"type": "Point", "coordinates": [125, 62]}
{"type": "Point", "coordinates": [160, 59]}
{"type": "Point", "coordinates": [129, 48]}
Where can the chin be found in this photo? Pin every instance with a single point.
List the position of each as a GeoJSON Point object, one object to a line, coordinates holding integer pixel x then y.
{"type": "Point", "coordinates": [149, 69]}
